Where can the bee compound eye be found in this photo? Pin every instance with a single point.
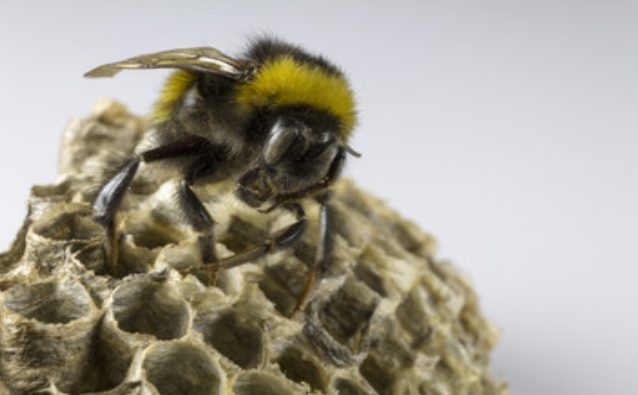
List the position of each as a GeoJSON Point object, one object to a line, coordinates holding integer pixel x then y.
{"type": "Point", "coordinates": [283, 140]}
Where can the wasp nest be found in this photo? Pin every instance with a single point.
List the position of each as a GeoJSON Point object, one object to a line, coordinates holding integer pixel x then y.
{"type": "Point", "coordinates": [387, 318]}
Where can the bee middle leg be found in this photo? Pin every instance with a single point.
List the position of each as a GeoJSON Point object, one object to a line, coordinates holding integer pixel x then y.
{"type": "Point", "coordinates": [200, 220]}
{"type": "Point", "coordinates": [193, 209]}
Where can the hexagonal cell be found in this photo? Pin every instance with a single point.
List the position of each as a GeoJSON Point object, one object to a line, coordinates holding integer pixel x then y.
{"type": "Point", "coordinates": [371, 268]}
{"type": "Point", "coordinates": [149, 232]}
{"type": "Point", "coordinates": [347, 313]}
{"type": "Point", "coordinates": [45, 197]}
{"type": "Point", "coordinates": [413, 239]}
{"type": "Point", "coordinates": [283, 282]}
{"type": "Point", "coordinates": [49, 302]}
{"type": "Point", "coordinates": [52, 337]}
{"type": "Point", "coordinates": [151, 307]}
{"type": "Point", "coordinates": [105, 368]}
{"type": "Point", "coordinates": [242, 235]}
{"type": "Point", "coordinates": [305, 252]}
{"type": "Point", "coordinates": [258, 383]}
{"type": "Point", "coordinates": [345, 386]}
{"type": "Point", "coordinates": [11, 257]}
{"type": "Point", "coordinates": [370, 277]}
{"type": "Point", "coordinates": [299, 367]}
{"type": "Point", "coordinates": [441, 382]}
{"type": "Point", "coordinates": [181, 368]}
{"type": "Point", "coordinates": [93, 258]}
{"type": "Point", "coordinates": [73, 223]}
{"type": "Point", "coordinates": [50, 190]}
{"type": "Point", "coordinates": [377, 374]}
{"type": "Point", "coordinates": [412, 313]}
{"type": "Point", "coordinates": [131, 258]}
{"type": "Point", "coordinates": [233, 335]}
{"type": "Point", "coordinates": [350, 226]}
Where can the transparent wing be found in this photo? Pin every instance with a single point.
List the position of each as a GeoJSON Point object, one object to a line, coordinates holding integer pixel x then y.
{"type": "Point", "coordinates": [203, 59]}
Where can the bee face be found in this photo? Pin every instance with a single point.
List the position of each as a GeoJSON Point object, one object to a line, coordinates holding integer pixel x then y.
{"type": "Point", "coordinates": [295, 156]}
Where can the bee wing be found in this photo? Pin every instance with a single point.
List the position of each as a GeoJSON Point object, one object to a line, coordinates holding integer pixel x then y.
{"type": "Point", "coordinates": [203, 59]}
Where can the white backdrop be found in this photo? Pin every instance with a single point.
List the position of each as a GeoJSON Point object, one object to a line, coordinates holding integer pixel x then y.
{"type": "Point", "coordinates": [505, 128]}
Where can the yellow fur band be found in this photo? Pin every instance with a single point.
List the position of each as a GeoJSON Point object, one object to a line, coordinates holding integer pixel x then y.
{"type": "Point", "coordinates": [284, 81]}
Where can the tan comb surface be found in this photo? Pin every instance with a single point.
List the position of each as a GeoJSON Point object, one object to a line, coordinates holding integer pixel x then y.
{"type": "Point", "coordinates": [388, 318]}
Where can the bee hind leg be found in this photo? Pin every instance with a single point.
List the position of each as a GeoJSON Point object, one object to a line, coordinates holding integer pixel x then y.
{"type": "Point", "coordinates": [279, 240]}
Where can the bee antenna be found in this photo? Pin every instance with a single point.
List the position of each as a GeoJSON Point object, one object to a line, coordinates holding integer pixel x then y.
{"type": "Point", "coordinates": [352, 151]}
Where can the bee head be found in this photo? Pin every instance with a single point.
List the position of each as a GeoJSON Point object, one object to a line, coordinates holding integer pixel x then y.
{"type": "Point", "coordinates": [296, 155]}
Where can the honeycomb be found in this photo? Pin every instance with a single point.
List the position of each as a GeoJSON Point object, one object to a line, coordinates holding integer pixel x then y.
{"type": "Point", "coordinates": [387, 318]}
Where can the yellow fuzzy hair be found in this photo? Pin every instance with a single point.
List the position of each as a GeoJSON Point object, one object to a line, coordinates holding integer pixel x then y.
{"type": "Point", "coordinates": [174, 88]}
{"type": "Point", "coordinates": [284, 81]}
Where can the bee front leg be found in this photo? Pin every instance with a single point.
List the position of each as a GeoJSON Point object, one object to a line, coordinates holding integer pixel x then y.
{"type": "Point", "coordinates": [111, 194]}
{"type": "Point", "coordinates": [107, 202]}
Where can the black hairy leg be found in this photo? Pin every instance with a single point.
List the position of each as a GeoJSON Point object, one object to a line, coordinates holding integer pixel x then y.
{"type": "Point", "coordinates": [282, 239]}
{"type": "Point", "coordinates": [110, 196]}
{"type": "Point", "coordinates": [106, 204]}
{"type": "Point", "coordinates": [194, 211]}
{"type": "Point", "coordinates": [324, 252]}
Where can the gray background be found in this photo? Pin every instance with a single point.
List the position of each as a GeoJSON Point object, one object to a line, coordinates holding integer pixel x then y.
{"type": "Point", "coordinates": [506, 128]}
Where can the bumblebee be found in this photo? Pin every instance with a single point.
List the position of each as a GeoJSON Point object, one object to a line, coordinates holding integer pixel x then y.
{"type": "Point", "coordinates": [275, 120]}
